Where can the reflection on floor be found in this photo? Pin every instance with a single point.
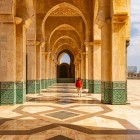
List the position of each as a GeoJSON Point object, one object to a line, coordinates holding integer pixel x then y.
{"type": "Point", "coordinates": [59, 114]}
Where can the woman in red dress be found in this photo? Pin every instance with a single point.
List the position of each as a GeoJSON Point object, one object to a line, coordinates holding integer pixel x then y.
{"type": "Point", "coordinates": [79, 85]}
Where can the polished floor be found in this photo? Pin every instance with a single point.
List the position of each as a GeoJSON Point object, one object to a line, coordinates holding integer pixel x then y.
{"type": "Point", "coordinates": [60, 114]}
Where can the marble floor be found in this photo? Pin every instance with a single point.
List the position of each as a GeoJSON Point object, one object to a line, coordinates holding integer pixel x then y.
{"type": "Point", "coordinates": [59, 114]}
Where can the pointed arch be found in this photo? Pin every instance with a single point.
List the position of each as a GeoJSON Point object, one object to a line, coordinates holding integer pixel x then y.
{"type": "Point", "coordinates": [64, 37]}
{"type": "Point", "coordinates": [63, 25]}
{"type": "Point", "coordinates": [61, 5]}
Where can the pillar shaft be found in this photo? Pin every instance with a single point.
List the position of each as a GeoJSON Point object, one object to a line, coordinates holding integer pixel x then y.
{"type": "Point", "coordinates": [31, 66]}
{"type": "Point", "coordinates": [97, 67]}
{"type": "Point", "coordinates": [119, 86]}
{"type": "Point", "coordinates": [90, 68]}
{"type": "Point", "coordinates": [43, 71]}
{"type": "Point", "coordinates": [20, 63]}
{"type": "Point", "coordinates": [38, 68]}
{"type": "Point", "coordinates": [106, 63]}
{"type": "Point", "coordinates": [7, 63]}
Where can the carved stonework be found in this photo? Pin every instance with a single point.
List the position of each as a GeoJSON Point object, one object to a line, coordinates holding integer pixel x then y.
{"type": "Point", "coordinates": [120, 18]}
{"type": "Point", "coordinates": [65, 27]}
{"type": "Point", "coordinates": [64, 11]}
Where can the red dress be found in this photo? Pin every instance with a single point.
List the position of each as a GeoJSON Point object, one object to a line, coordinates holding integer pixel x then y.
{"type": "Point", "coordinates": [78, 83]}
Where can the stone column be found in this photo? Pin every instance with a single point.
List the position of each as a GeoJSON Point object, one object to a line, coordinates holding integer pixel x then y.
{"type": "Point", "coordinates": [31, 66]}
{"type": "Point", "coordinates": [82, 66]}
{"type": "Point", "coordinates": [106, 63]}
{"type": "Point", "coordinates": [119, 59]}
{"type": "Point", "coordinates": [7, 61]}
{"type": "Point", "coordinates": [38, 67]}
{"type": "Point", "coordinates": [85, 80]}
{"type": "Point", "coordinates": [90, 67]}
{"type": "Point", "coordinates": [47, 69]}
{"type": "Point", "coordinates": [97, 66]}
{"type": "Point", "coordinates": [76, 70]}
{"type": "Point", "coordinates": [79, 65]}
{"type": "Point", "coordinates": [43, 70]}
{"type": "Point", "coordinates": [20, 62]}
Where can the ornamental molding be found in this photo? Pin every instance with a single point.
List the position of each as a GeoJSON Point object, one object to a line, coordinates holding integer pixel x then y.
{"type": "Point", "coordinates": [64, 11]}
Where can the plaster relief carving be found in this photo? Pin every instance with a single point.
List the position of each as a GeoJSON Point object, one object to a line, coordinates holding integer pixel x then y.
{"type": "Point", "coordinates": [64, 11]}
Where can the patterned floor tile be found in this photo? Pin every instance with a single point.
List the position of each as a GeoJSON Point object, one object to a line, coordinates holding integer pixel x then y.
{"type": "Point", "coordinates": [62, 115]}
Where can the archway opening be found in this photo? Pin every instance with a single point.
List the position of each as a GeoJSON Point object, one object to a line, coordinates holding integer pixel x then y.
{"type": "Point", "coordinates": [65, 67]}
{"type": "Point", "coordinates": [65, 59]}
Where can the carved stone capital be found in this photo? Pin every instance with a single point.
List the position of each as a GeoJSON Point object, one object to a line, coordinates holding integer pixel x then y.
{"type": "Point", "coordinates": [38, 43]}
{"type": "Point", "coordinates": [28, 22]}
{"type": "Point", "coordinates": [18, 20]}
{"type": "Point", "coordinates": [31, 42]}
{"type": "Point", "coordinates": [120, 18]}
{"type": "Point", "coordinates": [97, 41]}
{"type": "Point", "coordinates": [89, 44]}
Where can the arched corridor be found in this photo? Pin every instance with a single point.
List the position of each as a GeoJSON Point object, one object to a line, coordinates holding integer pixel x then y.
{"type": "Point", "coordinates": [34, 34]}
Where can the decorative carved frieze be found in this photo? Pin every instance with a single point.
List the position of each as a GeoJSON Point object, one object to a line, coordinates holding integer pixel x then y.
{"type": "Point", "coordinates": [6, 18]}
{"type": "Point", "coordinates": [120, 18]}
{"type": "Point", "coordinates": [64, 11]}
{"type": "Point", "coordinates": [31, 42]}
{"type": "Point", "coordinates": [18, 20]}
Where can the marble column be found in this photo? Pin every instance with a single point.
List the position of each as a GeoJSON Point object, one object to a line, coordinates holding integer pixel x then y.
{"type": "Point", "coordinates": [119, 86]}
{"type": "Point", "coordinates": [82, 66]}
{"type": "Point", "coordinates": [31, 66]}
{"type": "Point", "coordinates": [43, 70]}
{"type": "Point", "coordinates": [97, 66]}
{"type": "Point", "coordinates": [7, 62]}
{"type": "Point", "coordinates": [90, 67]}
{"type": "Point", "coordinates": [106, 63]}
{"type": "Point", "coordinates": [85, 80]}
{"type": "Point", "coordinates": [20, 63]}
{"type": "Point", "coordinates": [38, 67]}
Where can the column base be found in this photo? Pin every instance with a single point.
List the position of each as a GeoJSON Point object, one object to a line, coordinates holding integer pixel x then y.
{"type": "Point", "coordinates": [7, 93]}
{"type": "Point", "coordinates": [38, 86]}
{"type": "Point", "coordinates": [20, 92]}
{"type": "Point", "coordinates": [97, 87]}
{"type": "Point", "coordinates": [90, 86]}
{"type": "Point", "coordinates": [43, 83]}
{"type": "Point", "coordinates": [12, 93]}
{"type": "Point", "coordinates": [46, 84]}
{"type": "Point", "coordinates": [119, 93]}
{"type": "Point", "coordinates": [85, 84]}
{"type": "Point", "coordinates": [114, 93]}
{"type": "Point", "coordinates": [31, 86]}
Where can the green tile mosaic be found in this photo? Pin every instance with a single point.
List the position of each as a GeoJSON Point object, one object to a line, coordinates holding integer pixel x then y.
{"type": "Point", "coordinates": [106, 92]}
{"type": "Point", "coordinates": [31, 86]}
{"type": "Point", "coordinates": [85, 83]}
{"type": "Point", "coordinates": [43, 84]}
{"type": "Point", "coordinates": [114, 92]}
{"type": "Point", "coordinates": [7, 93]}
{"type": "Point", "coordinates": [46, 83]}
{"type": "Point", "coordinates": [94, 86]}
{"type": "Point", "coordinates": [38, 86]}
{"type": "Point", "coordinates": [20, 92]}
{"type": "Point", "coordinates": [97, 87]}
{"type": "Point", "coordinates": [90, 86]}
{"type": "Point", "coordinates": [119, 93]}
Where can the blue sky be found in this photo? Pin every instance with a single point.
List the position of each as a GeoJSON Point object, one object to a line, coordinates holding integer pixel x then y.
{"type": "Point", "coordinates": [134, 48]}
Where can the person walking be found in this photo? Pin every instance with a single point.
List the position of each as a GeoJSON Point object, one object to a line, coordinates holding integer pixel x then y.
{"type": "Point", "coordinates": [79, 85]}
